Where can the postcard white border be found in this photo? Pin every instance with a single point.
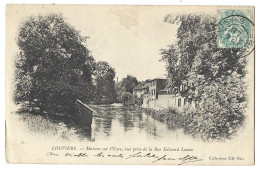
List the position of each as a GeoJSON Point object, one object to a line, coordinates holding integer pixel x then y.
{"type": "Point", "coordinates": [132, 2]}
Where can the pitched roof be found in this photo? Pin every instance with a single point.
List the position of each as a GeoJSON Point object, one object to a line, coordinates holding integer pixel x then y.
{"type": "Point", "coordinates": [157, 79]}
{"type": "Point", "coordinates": [139, 87]}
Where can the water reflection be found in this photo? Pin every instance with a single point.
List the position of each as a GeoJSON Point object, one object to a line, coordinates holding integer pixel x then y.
{"type": "Point", "coordinates": [118, 122]}
{"type": "Point", "coordinates": [87, 134]}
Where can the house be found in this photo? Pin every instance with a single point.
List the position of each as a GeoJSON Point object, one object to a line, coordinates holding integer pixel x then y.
{"type": "Point", "coordinates": [155, 95]}
{"type": "Point", "coordinates": [170, 99]}
{"type": "Point", "coordinates": [154, 85]}
{"type": "Point", "coordinates": [140, 90]}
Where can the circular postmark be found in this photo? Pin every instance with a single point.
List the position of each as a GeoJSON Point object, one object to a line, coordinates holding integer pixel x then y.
{"type": "Point", "coordinates": [235, 31]}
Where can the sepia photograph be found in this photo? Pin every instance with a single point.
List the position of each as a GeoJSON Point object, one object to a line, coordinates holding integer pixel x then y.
{"type": "Point", "coordinates": [124, 84]}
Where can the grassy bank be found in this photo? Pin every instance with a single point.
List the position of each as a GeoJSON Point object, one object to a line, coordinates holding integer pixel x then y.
{"type": "Point", "coordinates": [44, 125]}
{"type": "Point", "coordinates": [208, 126]}
{"type": "Point", "coordinates": [170, 116]}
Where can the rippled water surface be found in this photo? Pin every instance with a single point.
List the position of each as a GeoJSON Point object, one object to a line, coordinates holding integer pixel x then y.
{"type": "Point", "coordinates": [116, 122]}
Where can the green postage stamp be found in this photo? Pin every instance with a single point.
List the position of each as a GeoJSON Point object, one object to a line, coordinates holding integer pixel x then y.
{"type": "Point", "coordinates": [235, 28]}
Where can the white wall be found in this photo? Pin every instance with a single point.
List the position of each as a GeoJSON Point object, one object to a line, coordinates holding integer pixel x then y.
{"type": "Point", "coordinates": [170, 100]}
{"type": "Point", "coordinates": [163, 101]}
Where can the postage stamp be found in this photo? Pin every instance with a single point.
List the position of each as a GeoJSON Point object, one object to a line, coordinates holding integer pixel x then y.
{"type": "Point", "coordinates": [235, 28]}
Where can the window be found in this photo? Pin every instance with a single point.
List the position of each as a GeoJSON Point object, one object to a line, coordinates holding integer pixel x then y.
{"type": "Point", "coordinates": [179, 102]}
{"type": "Point", "coordinates": [176, 89]}
{"type": "Point", "coordinates": [182, 87]}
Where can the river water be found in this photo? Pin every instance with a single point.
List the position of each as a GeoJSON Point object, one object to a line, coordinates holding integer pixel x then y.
{"type": "Point", "coordinates": [116, 122]}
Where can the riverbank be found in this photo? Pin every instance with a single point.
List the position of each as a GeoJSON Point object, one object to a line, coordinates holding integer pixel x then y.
{"type": "Point", "coordinates": [169, 116]}
{"type": "Point", "coordinates": [46, 125]}
{"type": "Point", "coordinates": [209, 126]}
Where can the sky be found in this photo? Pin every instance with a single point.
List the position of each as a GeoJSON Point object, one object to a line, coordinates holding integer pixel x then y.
{"type": "Point", "coordinates": [129, 38]}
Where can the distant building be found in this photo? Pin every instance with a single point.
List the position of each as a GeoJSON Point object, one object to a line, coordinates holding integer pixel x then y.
{"type": "Point", "coordinates": [140, 90]}
{"type": "Point", "coordinates": [154, 85]}
{"type": "Point", "coordinates": [156, 96]}
{"type": "Point", "coordinates": [170, 99]}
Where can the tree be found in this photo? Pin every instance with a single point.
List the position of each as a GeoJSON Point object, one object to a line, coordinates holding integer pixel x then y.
{"type": "Point", "coordinates": [129, 83]}
{"type": "Point", "coordinates": [215, 75]}
{"type": "Point", "coordinates": [105, 85]}
{"type": "Point", "coordinates": [119, 91]}
{"type": "Point", "coordinates": [126, 98]}
{"type": "Point", "coordinates": [195, 57]}
{"type": "Point", "coordinates": [125, 86]}
{"type": "Point", "coordinates": [55, 62]}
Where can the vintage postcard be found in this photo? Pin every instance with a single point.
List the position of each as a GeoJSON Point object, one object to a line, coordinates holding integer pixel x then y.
{"type": "Point", "coordinates": [121, 84]}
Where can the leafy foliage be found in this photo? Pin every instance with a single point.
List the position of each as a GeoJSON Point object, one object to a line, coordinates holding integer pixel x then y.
{"type": "Point", "coordinates": [129, 83]}
{"type": "Point", "coordinates": [105, 85]}
{"type": "Point", "coordinates": [214, 76]}
{"type": "Point", "coordinates": [127, 98]}
{"type": "Point", "coordinates": [124, 87]}
{"type": "Point", "coordinates": [53, 66]}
